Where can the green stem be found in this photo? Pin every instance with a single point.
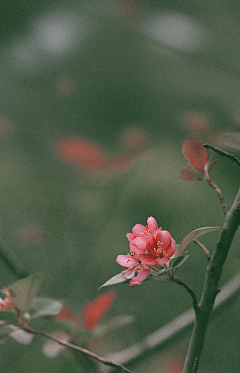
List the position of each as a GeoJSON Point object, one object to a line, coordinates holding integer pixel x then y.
{"type": "Point", "coordinates": [178, 281]}
{"type": "Point", "coordinates": [210, 290]}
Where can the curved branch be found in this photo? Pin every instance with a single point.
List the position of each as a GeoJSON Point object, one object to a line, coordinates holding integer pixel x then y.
{"type": "Point", "coordinates": [178, 281]}
{"type": "Point", "coordinates": [78, 348]}
{"type": "Point", "coordinates": [218, 190]}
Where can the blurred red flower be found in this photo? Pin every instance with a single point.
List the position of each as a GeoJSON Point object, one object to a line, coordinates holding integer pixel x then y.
{"type": "Point", "coordinates": [94, 311]}
{"type": "Point", "coordinates": [81, 152]}
{"type": "Point", "coordinates": [197, 123]}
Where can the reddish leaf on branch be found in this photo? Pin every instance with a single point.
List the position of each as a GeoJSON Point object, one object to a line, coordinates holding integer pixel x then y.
{"type": "Point", "coordinates": [195, 153]}
{"type": "Point", "coordinates": [94, 311]}
{"type": "Point", "coordinates": [189, 173]}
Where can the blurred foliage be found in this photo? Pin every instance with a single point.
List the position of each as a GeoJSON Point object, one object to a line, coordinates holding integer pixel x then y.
{"type": "Point", "coordinates": [102, 72]}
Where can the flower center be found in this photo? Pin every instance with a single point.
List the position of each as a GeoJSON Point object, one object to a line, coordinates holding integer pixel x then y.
{"type": "Point", "coordinates": [141, 267]}
{"type": "Point", "coordinates": [133, 256]}
{"type": "Point", "coordinates": [145, 232]}
{"type": "Point", "coordinates": [158, 249]}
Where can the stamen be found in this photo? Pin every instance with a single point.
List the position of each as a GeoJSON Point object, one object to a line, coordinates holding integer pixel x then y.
{"type": "Point", "coordinates": [145, 233]}
{"type": "Point", "coordinates": [159, 249]}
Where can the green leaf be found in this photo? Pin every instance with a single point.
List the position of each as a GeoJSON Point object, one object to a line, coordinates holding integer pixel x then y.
{"type": "Point", "coordinates": [25, 290]}
{"type": "Point", "coordinates": [4, 331]}
{"type": "Point", "coordinates": [115, 280]}
{"type": "Point", "coordinates": [192, 236]}
{"type": "Point", "coordinates": [43, 306]}
{"type": "Point", "coordinates": [9, 317]}
{"type": "Point", "coordinates": [231, 139]}
{"type": "Point", "coordinates": [178, 261]}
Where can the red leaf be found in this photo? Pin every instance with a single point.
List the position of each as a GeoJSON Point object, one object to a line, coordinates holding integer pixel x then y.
{"type": "Point", "coordinates": [81, 152]}
{"type": "Point", "coordinates": [189, 174]}
{"type": "Point", "coordinates": [195, 153]}
{"type": "Point", "coordinates": [94, 311]}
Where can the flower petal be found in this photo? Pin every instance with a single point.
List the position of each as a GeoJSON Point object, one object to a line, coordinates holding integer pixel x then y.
{"type": "Point", "coordinates": [150, 259]}
{"type": "Point", "coordinates": [172, 249]}
{"type": "Point", "coordinates": [140, 243]}
{"type": "Point", "coordinates": [139, 229]}
{"type": "Point", "coordinates": [130, 272]}
{"type": "Point", "coordinates": [125, 260]}
{"type": "Point", "coordinates": [141, 276]}
{"type": "Point", "coordinates": [164, 238]}
{"type": "Point", "coordinates": [152, 224]}
{"type": "Point", "coordinates": [135, 250]}
{"type": "Point", "coordinates": [130, 237]}
{"type": "Point", "coordinates": [151, 245]}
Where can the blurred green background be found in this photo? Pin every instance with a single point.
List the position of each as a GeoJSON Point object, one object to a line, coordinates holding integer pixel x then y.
{"type": "Point", "coordinates": [136, 78]}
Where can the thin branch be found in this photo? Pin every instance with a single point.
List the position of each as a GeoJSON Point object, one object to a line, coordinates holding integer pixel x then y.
{"type": "Point", "coordinates": [219, 192]}
{"type": "Point", "coordinates": [178, 281]}
{"type": "Point", "coordinates": [200, 244]}
{"type": "Point", "coordinates": [78, 348]}
{"type": "Point", "coordinates": [223, 153]}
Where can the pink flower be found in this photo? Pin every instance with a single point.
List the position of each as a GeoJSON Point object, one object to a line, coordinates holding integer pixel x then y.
{"type": "Point", "coordinates": [137, 271]}
{"type": "Point", "coordinates": [161, 246]}
{"type": "Point", "coordinates": [148, 246]}
{"type": "Point", "coordinates": [140, 233]}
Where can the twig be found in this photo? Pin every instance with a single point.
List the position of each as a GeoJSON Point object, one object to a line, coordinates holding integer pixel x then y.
{"type": "Point", "coordinates": [78, 348]}
{"type": "Point", "coordinates": [218, 190]}
{"type": "Point", "coordinates": [223, 153]}
{"type": "Point", "coordinates": [178, 281]}
{"type": "Point", "coordinates": [207, 252]}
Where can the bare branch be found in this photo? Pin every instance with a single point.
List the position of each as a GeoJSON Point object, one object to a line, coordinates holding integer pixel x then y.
{"type": "Point", "coordinates": [200, 244]}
